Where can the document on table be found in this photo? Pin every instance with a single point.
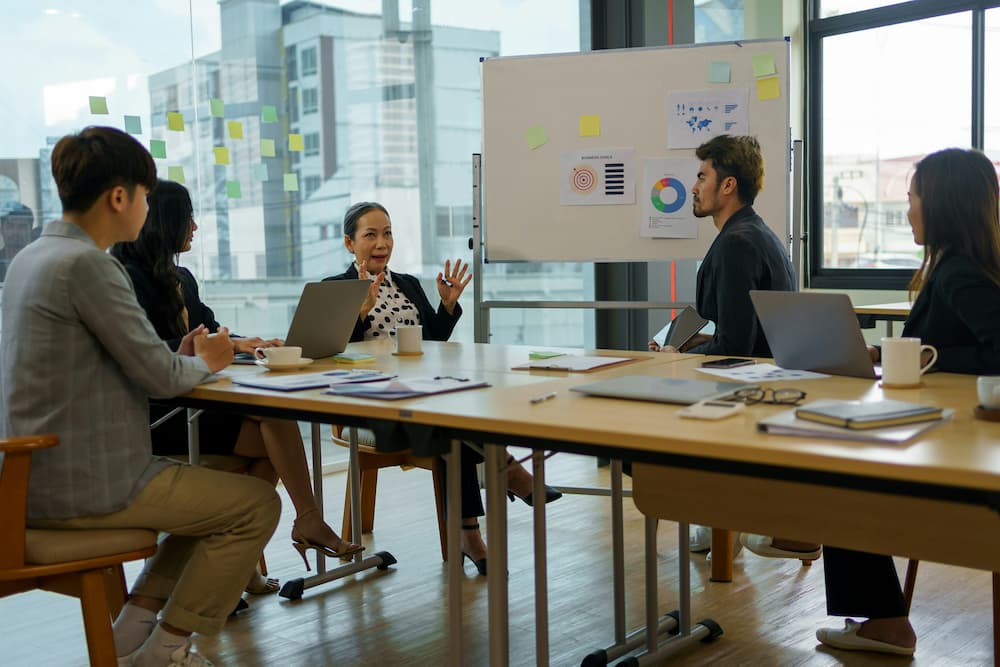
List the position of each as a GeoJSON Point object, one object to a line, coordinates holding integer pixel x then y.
{"type": "Point", "coordinates": [758, 373]}
{"type": "Point", "coordinates": [303, 381]}
{"type": "Point", "coordinates": [571, 363]}
{"type": "Point", "coordinates": [398, 388]}
{"type": "Point", "coordinates": [786, 423]}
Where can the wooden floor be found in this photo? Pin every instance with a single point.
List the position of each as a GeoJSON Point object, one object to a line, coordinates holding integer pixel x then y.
{"type": "Point", "coordinates": [397, 617]}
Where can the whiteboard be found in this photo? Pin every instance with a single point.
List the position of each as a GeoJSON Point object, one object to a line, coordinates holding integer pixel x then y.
{"type": "Point", "coordinates": [530, 98]}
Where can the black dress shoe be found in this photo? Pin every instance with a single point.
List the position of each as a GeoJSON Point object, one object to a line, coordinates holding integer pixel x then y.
{"type": "Point", "coordinates": [550, 495]}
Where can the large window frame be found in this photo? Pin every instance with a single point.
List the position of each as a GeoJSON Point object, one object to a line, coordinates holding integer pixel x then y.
{"type": "Point", "coordinates": [818, 29]}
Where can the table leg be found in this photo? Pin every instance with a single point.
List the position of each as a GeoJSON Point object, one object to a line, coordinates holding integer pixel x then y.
{"type": "Point", "coordinates": [194, 442]}
{"type": "Point", "coordinates": [454, 523]}
{"type": "Point", "coordinates": [496, 533]}
{"type": "Point", "coordinates": [722, 555]}
{"type": "Point", "coordinates": [618, 549]}
{"type": "Point", "coordinates": [541, 573]}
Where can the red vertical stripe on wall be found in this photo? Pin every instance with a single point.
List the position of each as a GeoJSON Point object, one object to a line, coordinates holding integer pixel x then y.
{"type": "Point", "coordinates": [670, 21]}
{"type": "Point", "coordinates": [673, 287]}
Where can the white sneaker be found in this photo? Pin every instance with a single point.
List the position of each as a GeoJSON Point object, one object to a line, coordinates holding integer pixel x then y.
{"type": "Point", "coordinates": [700, 538]}
{"type": "Point", "coordinates": [185, 657]}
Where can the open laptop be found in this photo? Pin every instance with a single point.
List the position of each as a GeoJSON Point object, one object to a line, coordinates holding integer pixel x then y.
{"type": "Point", "coordinates": [324, 318]}
{"type": "Point", "coordinates": [814, 331]}
{"type": "Point", "coordinates": [660, 389]}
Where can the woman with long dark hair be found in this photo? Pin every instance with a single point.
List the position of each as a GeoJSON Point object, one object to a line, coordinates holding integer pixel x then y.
{"type": "Point", "coordinates": [169, 294]}
{"type": "Point", "coordinates": [954, 215]}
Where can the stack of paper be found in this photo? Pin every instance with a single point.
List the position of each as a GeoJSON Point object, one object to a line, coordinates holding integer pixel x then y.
{"type": "Point", "coordinates": [302, 381]}
{"type": "Point", "coordinates": [392, 390]}
{"type": "Point", "coordinates": [576, 364]}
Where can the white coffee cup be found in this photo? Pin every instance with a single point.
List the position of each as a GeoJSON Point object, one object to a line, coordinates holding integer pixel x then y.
{"type": "Point", "coordinates": [901, 361]}
{"type": "Point", "coordinates": [279, 355]}
{"type": "Point", "coordinates": [409, 339]}
{"type": "Point", "coordinates": [988, 388]}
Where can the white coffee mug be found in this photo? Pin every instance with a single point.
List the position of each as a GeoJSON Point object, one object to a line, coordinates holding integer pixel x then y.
{"type": "Point", "coordinates": [279, 355]}
{"type": "Point", "coordinates": [901, 361]}
{"type": "Point", "coordinates": [988, 388]}
{"type": "Point", "coordinates": [409, 338]}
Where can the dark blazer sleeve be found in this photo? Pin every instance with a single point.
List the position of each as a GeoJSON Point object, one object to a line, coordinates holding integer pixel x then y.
{"type": "Point", "coordinates": [360, 325]}
{"type": "Point", "coordinates": [438, 324]}
{"type": "Point", "coordinates": [198, 311]}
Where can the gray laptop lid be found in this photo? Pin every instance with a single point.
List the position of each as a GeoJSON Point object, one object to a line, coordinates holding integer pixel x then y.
{"type": "Point", "coordinates": [325, 317]}
{"type": "Point", "coordinates": [659, 389]}
{"type": "Point", "coordinates": [813, 332]}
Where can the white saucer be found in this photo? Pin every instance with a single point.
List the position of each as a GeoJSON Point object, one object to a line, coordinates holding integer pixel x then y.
{"type": "Point", "coordinates": [290, 366]}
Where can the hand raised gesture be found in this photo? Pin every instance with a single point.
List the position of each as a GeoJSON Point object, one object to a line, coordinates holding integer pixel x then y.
{"type": "Point", "coordinates": [372, 295]}
{"type": "Point", "coordinates": [452, 282]}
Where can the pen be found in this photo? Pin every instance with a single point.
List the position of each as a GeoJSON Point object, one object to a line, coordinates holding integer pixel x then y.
{"type": "Point", "coordinates": [543, 397]}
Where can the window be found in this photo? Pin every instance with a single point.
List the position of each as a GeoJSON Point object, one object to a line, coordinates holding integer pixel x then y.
{"type": "Point", "coordinates": [312, 184]}
{"type": "Point", "coordinates": [311, 142]}
{"type": "Point", "coordinates": [991, 137]}
{"type": "Point", "coordinates": [310, 102]}
{"type": "Point", "coordinates": [888, 86]}
{"type": "Point", "coordinates": [308, 61]}
{"type": "Point", "coordinates": [291, 65]}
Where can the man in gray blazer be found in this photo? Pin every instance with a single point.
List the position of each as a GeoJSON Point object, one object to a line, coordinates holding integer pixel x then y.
{"type": "Point", "coordinates": [80, 359]}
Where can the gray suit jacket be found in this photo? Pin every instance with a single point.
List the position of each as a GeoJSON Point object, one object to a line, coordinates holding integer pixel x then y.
{"type": "Point", "coordinates": [80, 359]}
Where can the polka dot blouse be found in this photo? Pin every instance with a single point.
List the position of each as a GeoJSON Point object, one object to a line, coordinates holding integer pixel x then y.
{"type": "Point", "coordinates": [392, 309]}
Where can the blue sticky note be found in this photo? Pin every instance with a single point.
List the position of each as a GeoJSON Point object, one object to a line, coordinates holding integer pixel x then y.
{"type": "Point", "coordinates": [133, 124]}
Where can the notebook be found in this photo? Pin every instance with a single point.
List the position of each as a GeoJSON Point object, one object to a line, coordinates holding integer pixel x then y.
{"type": "Point", "coordinates": [867, 414]}
{"type": "Point", "coordinates": [680, 329]}
{"type": "Point", "coordinates": [814, 331]}
{"type": "Point", "coordinates": [660, 389]}
{"type": "Point", "coordinates": [786, 423]}
{"type": "Point", "coordinates": [324, 318]}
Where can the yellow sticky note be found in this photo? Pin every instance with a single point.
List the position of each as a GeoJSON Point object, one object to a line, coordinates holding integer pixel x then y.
{"type": "Point", "coordinates": [590, 126]}
{"type": "Point", "coordinates": [221, 155]}
{"type": "Point", "coordinates": [175, 121]}
{"type": "Point", "coordinates": [235, 129]}
{"type": "Point", "coordinates": [295, 142]}
{"type": "Point", "coordinates": [535, 136]}
{"type": "Point", "coordinates": [175, 173]}
{"type": "Point", "coordinates": [267, 147]}
{"type": "Point", "coordinates": [767, 88]}
{"type": "Point", "coordinates": [98, 105]}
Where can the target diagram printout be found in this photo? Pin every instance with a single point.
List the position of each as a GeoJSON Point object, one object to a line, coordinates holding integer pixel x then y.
{"type": "Point", "coordinates": [694, 117]}
{"type": "Point", "coordinates": [597, 177]}
{"type": "Point", "coordinates": [666, 193]}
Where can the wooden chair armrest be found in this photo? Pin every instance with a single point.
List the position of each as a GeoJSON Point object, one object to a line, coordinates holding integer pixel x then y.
{"type": "Point", "coordinates": [14, 493]}
{"type": "Point", "coordinates": [28, 442]}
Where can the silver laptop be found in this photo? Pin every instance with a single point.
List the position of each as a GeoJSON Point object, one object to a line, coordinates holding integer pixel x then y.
{"type": "Point", "coordinates": [660, 389]}
{"type": "Point", "coordinates": [814, 331]}
{"type": "Point", "coordinates": [324, 318]}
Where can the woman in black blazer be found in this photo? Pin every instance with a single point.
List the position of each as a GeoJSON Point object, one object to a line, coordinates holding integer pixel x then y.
{"type": "Point", "coordinates": [954, 215]}
{"type": "Point", "coordinates": [397, 299]}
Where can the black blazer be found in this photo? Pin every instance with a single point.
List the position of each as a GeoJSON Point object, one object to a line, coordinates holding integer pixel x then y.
{"type": "Point", "coordinates": [149, 298]}
{"type": "Point", "coordinates": [958, 312]}
{"type": "Point", "coordinates": [437, 324]}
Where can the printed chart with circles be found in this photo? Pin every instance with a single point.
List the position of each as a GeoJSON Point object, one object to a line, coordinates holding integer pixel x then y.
{"type": "Point", "coordinates": [668, 195]}
{"type": "Point", "coordinates": [583, 179]}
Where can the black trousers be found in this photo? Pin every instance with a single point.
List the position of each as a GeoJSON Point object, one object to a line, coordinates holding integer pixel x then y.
{"type": "Point", "coordinates": [861, 584]}
{"type": "Point", "coordinates": [472, 499]}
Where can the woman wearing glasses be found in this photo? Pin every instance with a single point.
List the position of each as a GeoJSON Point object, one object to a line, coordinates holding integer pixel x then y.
{"type": "Point", "coordinates": [953, 213]}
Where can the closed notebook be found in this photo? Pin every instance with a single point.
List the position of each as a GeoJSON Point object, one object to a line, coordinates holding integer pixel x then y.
{"type": "Point", "coordinates": [867, 414]}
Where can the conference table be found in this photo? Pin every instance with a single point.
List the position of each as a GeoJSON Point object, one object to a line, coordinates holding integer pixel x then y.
{"type": "Point", "coordinates": [887, 312]}
{"type": "Point", "coordinates": [935, 498]}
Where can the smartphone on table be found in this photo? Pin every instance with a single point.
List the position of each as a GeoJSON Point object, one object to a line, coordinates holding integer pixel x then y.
{"type": "Point", "coordinates": [728, 362]}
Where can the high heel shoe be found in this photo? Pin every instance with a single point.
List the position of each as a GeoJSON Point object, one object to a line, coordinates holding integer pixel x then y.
{"type": "Point", "coordinates": [302, 544]}
{"type": "Point", "coordinates": [481, 563]}
{"type": "Point", "coordinates": [551, 493]}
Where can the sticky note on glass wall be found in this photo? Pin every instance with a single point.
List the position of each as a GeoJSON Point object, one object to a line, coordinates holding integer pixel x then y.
{"type": "Point", "coordinates": [175, 173]}
{"type": "Point", "coordinates": [233, 190]}
{"type": "Point", "coordinates": [269, 114]}
{"type": "Point", "coordinates": [535, 136]}
{"type": "Point", "coordinates": [98, 105]}
{"type": "Point", "coordinates": [590, 126]}
{"type": "Point", "coordinates": [133, 124]}
{"type": "Point", "coordinates": [763, 64]}
{"type": "Point", "coordinates": [267, 147]}
{"type": "Point", "coordinates": [221, 155]}
{"type": "Point", "coordinates": [767, 88]}
{"type": "Point", "coordinates": [175, 121]}
{"type": "Point", "coordinates": [260, 172]}
{"type": "Point", "coordinates": [295, 142]}
{"type": "Point", "coordinates": [291, 183]}
{"type": "Point", "coordinates": [235, 129]}
{"type": "Point", "coordinates": [218, 107]}
{"type": "Point", "coordinates": [719, 71]}
{"type": "Point", "coordinates": [158, 148]}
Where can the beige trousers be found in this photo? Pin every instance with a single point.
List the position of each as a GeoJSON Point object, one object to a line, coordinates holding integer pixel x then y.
{"type": "Point", "coordinates": [216, 526]}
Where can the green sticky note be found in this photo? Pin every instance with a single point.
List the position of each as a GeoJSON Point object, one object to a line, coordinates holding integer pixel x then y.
{"type": "Point", "coordinates": [544, 354]}
{"type": "Point", "coordinates": [295, 142]}
{"type": "Point", "coordinates": [235, 129]}
{"type": "Point", "coordinates": [267, 147]}
{"type": "Point", "coordinates": [590, 126]}
{"type": "Point", "coordinates": [291, 183]}
{"type": "Point", "coordinates": [218, 107]}
{"type": "Point", "coordinates": [221, 155]}
{"type": "Point", "coordinates": [98, 105]}
{"type": "Point", "coordinates": [175, 121]}
{"type": "Point", "coordinates": [133, 124]}
{"type": "Point", "coordinates": [158, 148]}
{"type": "Point", "coordinates": [536, 137]}
{"type": "Point", "coordinates": [719, 71]}
{"type": "Point", "coordinates": [176, 173]}
{"type": "Point", "coordinates": [260, 172]}
{"type": "Point", "coordinates": [269, 114]}
{"type": "Point", "coordinates": [233, 190]}
{"type": "Point", "coordinates": [763, 64]}
{"type": "Point", "coordinates": [767, 88]}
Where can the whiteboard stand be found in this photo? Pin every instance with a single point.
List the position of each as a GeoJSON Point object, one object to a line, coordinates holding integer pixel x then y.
{"type": "Point", "coordinates": [798, 240]}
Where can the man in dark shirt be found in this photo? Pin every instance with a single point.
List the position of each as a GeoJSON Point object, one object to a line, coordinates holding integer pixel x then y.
{"type": "Point", "coordinates": [746, 255]}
